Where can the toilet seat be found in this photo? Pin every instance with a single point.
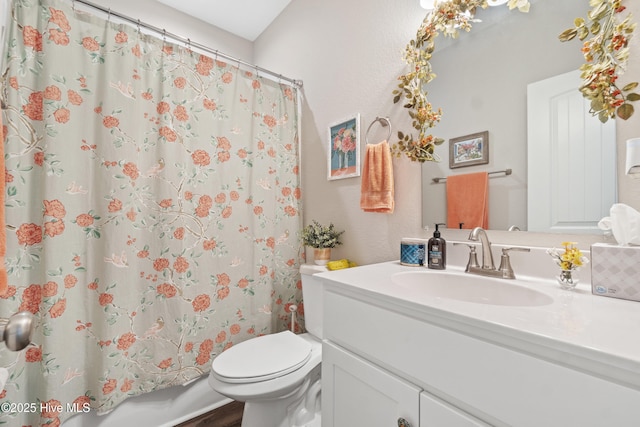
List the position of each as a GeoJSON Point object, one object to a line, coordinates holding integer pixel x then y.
{"type": "Point", "coordinates": [261, 359]}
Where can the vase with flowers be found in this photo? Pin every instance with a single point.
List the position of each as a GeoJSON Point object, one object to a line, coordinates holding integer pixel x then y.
{"type": "Point", "coordinates": [322, 239]}
{"type": "Point", "coordinates": [344, 145]}
{"type": "Point", "coordinates": [569, 259]}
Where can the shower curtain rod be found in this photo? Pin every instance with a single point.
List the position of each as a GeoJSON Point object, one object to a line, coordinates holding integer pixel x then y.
{"type": "Point", "coordinates": [187, 41]}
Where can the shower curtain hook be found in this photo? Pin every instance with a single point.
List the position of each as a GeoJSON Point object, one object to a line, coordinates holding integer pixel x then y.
{"type": "Point", "coordinates": [109, 15]}
{"type": "Point", "coordinates": [188, 44]}
{"type": "Point", "coordinates": [164, 37]}
{"type": "Point", "coordinates": [73, 6]}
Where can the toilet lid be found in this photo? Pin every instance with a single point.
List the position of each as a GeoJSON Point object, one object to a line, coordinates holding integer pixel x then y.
{"type": "Point", "coordinates": [262, 358]}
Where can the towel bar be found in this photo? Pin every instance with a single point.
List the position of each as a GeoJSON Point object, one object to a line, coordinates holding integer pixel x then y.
{"type": "Point", "coordinates": [505, 172]}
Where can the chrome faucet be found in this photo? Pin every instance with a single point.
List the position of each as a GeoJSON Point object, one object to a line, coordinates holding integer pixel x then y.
{"type": "Point", "coordinates": [488, 268]}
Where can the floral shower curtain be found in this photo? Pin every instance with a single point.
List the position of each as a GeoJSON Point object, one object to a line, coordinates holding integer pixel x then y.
{"type": "Point", "coordinates": [152, 209]}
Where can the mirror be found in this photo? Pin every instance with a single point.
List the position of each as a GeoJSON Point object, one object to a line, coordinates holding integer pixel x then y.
{"type": "Point", "coordinates": [481, 85]}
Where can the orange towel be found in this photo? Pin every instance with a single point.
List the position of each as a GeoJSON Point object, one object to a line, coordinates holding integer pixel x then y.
{"type": "Point", "coordinates": [376, 191]}
{"type": "Point", "coordinates": [468, 200]}
{"type": "Point", "coordinates": [3, 232]}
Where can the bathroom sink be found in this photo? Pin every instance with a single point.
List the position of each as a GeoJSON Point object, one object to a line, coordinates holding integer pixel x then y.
{"type": "Point", "coordinates": [470, 288]}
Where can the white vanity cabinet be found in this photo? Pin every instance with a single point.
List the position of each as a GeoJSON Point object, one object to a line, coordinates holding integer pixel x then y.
{"type": "Point", "coordinates": [358, 393]}
{"type": "Point", "coordinates": [384, 358]}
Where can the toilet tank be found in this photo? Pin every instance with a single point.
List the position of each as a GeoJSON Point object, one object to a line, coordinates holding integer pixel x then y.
{"type": "Point", "coordinates": [312, 298]}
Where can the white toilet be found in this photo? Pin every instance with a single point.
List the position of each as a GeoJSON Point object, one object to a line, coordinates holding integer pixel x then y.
{"type": "Point", "coordinates": [278, 375]}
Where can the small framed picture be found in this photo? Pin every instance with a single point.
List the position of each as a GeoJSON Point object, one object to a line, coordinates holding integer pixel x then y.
{"type": "Point", "coordinates": [469, 150]}
{"type": "Point", "coordinates": [344, 148]}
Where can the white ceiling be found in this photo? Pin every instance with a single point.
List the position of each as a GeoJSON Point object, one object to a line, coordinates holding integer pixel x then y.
{"type": "Point", "coordinates": [244, 18]}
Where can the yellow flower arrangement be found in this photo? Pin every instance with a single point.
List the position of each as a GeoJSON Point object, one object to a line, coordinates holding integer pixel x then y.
{"type": "Point", "coordinates": [606, 54]}
{"type": "Point", "coordinates": [448, 18]}
{"type": "Point", "coordinates": [571, 258]}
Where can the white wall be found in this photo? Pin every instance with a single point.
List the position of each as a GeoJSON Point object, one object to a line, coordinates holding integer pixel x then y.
{"type": "Point", "coordinates": [349, 54]}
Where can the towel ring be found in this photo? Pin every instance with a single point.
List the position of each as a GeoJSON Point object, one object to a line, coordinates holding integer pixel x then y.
{"type": "Point", "coordinates": [384, 122]}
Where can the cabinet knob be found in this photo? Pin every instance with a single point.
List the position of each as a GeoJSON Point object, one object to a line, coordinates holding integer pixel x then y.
{"type": "Point", "coordinates": [403, 423]}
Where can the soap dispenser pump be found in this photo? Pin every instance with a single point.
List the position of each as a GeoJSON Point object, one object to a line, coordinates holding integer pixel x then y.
{"type": "Point", "coordinates": [437, 251]}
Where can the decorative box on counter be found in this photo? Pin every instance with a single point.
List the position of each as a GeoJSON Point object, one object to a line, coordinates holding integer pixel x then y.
{"type": "Point", "coordinates": [615, 271]}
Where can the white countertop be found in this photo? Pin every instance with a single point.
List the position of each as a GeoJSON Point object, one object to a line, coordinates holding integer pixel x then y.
{"type": "Point", "coordinates": [596, 334]}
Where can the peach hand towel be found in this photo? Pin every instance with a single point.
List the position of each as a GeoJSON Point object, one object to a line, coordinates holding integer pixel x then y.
{"type": "Point", "coordinates": [468, 200]}
{"type": "Point", "coordinates": [376, 191]}
{"type": "Point", "coordinates": [3, 232]}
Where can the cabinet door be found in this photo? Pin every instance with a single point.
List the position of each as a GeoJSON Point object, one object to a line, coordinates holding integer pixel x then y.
{"type": "Point", "coordinates": [357, 393]}
{"type": "Point", "coordinates": [437, 413]}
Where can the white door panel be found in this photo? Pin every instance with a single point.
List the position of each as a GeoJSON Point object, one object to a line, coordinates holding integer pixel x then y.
{"type": "Point", "coordinates": [572, 157]}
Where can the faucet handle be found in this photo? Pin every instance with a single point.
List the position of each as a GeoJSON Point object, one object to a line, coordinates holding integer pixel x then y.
{"type": "Point", "coordinates": [473, 255]}
{"type": "Point", "coordinates": [473, 258]}
{"type": "Point", "coordinates": [470, 243]}
{"type": "Point", "coordinates": [505, 263]}
{"type": "Point", "coordinates": [515, 248]}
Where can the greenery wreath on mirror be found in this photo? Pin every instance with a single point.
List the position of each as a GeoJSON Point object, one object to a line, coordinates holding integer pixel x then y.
{"type": "Point", "coordinates": [606, 54]}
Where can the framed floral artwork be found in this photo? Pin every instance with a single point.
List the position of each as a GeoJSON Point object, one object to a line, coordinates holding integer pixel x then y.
{"type": "Point", "coordinates": [469, 150]}
{"type": "Point", "coordinates": [344, 148]}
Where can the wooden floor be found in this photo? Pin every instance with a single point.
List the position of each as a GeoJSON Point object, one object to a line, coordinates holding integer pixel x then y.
{"type": "Point", "coordinates": [229, 415]}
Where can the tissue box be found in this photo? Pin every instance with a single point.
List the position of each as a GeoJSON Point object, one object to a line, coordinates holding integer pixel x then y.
{"type": "Point", "coordinates": [615, 271]}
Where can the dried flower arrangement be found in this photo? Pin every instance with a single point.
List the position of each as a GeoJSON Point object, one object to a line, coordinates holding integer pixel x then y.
{"type": "Point", "coordinates": [448, 18]}
{"type": "Point", "coordinates": [606, 54]}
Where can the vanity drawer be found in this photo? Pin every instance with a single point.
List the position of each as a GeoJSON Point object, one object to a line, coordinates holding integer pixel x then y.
{"type": "Point", "coordinates": [496, 384]}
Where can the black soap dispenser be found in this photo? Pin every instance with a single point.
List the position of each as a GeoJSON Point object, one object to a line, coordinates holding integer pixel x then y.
{"type": "Point", "coordinates": [437, 251]}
